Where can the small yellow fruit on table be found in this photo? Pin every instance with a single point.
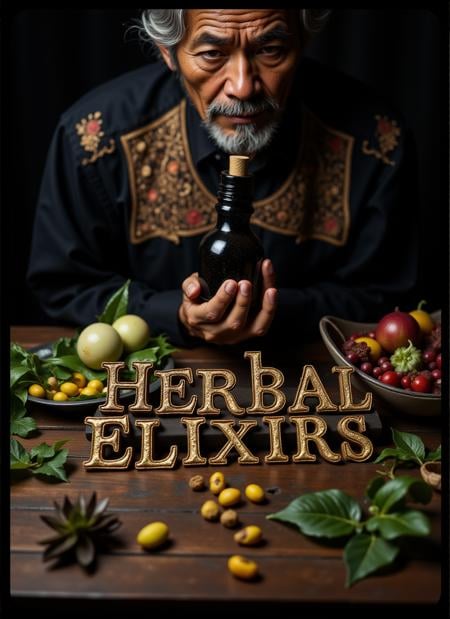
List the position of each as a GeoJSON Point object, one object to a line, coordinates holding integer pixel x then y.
{"type": "Point", "coordinates": [153, 535]}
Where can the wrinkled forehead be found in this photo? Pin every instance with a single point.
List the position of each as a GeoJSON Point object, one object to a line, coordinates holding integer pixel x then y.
{"type": "Point", "coordinates": [239, 22]}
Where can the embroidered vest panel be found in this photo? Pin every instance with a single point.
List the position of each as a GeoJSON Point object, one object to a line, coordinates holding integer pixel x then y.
{"type": "Point", "coordinates": [169, 200]}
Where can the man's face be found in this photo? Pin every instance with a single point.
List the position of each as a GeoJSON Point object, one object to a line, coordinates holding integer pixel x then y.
{"type": "Point", "coordinates": [237, 67]}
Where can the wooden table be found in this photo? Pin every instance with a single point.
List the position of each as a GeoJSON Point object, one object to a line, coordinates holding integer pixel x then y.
{"type": "Point", "coordinates": [192, 570]}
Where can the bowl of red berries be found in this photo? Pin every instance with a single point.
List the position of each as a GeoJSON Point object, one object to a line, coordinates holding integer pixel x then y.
{"type": "Point", "coordinates": [399, 358]}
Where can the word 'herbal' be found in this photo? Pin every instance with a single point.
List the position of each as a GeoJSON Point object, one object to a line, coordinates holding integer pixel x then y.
{"type": "Point", "coordinates": [266, 384]}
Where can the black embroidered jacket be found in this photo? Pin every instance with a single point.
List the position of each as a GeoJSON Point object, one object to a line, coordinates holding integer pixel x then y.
{"type": "Point", "coordinates": [129, 190]}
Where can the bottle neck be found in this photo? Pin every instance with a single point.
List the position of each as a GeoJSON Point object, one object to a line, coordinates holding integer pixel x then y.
{"type": "Point", "coordinates": [234, 205]}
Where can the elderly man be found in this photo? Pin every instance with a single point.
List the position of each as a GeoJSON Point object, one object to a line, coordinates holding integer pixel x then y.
{"type": "Point", "coordinates": [132, 173]}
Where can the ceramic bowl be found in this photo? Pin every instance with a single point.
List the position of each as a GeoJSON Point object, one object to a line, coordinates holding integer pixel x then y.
{"type": "Point", "coordinates": [335, 331]}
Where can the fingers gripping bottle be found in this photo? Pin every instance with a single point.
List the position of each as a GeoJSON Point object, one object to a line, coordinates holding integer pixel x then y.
{"type": "Point", "coordinates": [231, 250]}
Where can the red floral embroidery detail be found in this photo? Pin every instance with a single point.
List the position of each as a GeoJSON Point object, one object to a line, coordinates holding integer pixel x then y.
{"type": "Point", "coordinates": [93, 127]}
{"type": "Point", "coordinates": [194, 217]}
{"type": "Point", "coordinates": [335, 144]}
{"type": "Point", "coordinates": [386, 140]}
{"type": "Point", "coordinates": [384, 126]}
{"type": "Point", "coordinates": [152, 195]}
{"type": "Point", "coordinates": [173, 167]}
{"type": "Point", "coordinates": [330, 224]}
{"type": "Point", "coordinates": [90, 131]}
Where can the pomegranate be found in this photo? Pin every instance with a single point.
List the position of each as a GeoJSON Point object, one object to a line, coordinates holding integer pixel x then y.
{"type": "Point", "coordinates": [395, 329]}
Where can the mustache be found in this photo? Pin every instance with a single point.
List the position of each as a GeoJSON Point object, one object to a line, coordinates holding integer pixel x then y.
{"type": "Point", "coordinates": [242, 108]}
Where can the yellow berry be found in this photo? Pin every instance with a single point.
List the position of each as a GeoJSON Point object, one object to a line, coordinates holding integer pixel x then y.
{"type": "Point", "coordinates": [89, 391]}
{"type": "Point", "coordinates": [217, 482]}
{"type": "Point", "coordinates": [210, 510]}
{"type": "Point", "coordinates": [37, 391]}
{"type": "Point", "coordinates": [95, 384]}
{"type": "Point", "coordinates": [60, 396]}
{"type": "Point", "coordinates": [255, 493]}
{"type": "Point", "coordinates": [69, 389]}
{"type": "Point", "coordinates": [153, 535]}
{"type": "Point", "coordinates": [79, 379]}
{"type": "Point", "coordinates": [241, 567]}
{"type": "Point", "coordinates": [248, 536]}
{"type": "Point", "coordinates": [229, 496]}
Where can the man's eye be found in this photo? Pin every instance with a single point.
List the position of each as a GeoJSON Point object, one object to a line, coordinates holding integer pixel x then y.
{"type": "Point", "coordinates": [211, 54]}
{"type": "Point", "coordinates": [272, 50]}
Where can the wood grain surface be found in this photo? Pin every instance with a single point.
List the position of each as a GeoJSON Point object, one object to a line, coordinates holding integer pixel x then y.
{"type": "Point", "coordinates": [296, 571]}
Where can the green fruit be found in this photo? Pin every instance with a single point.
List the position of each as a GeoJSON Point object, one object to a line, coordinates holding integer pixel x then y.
{"type": "Point", "coordinates": [97, 343]}
{"type": "Point", "coordinates": [133, 330]}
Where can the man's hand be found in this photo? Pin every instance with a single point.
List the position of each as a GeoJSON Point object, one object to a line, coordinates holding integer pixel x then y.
{"type": "Point", "coordinates": [224, 318]}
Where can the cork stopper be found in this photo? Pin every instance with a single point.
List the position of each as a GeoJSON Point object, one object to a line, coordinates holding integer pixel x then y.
{"type": "Point", "coordinates": [238, 165]}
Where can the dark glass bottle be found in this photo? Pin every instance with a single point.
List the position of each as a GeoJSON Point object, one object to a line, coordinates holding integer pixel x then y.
{"type": "Point", "coordinates": [231, 250]}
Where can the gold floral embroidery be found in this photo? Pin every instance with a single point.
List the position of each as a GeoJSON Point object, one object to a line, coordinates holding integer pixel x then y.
{"type": "Point", "coordinates": [90, 131]}
{"type": "Point", "coordinates": [386, 135]}
{"type": "Point", "coordinates": [169, 200]}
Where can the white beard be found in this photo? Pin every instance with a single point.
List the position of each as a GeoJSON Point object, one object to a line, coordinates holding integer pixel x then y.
{"type": "Point", "coordinates": [245, 139]}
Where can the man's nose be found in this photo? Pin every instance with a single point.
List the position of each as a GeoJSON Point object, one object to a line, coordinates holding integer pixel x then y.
{"type": "Point", "coordinates": [242, 82]}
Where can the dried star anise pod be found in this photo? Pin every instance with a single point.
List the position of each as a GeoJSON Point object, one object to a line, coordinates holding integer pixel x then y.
{"type": "Point", "coordinates": [80, 527]}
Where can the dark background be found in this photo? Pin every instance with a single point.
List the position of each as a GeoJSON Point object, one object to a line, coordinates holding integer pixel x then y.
{"type": "Point", "coordinates": [55, 56]}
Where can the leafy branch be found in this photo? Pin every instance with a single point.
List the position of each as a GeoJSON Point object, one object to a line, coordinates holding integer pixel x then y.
{"type": "Point", "coordinates": [47, 460]}
{"type": "Point", "coordinates": [333, 514]}
{"type": "Point", "coordinates": [371, 544]}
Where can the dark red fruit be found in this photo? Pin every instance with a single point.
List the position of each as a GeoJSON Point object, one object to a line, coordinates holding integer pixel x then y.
{"type": "Point", "coordinates": [390, 378]}
{"type": "Point", "coordinates": [377, 371]}
{"type": "Point", "coordinates": [421, 384]}
{"type": "Point", "coordinates": [366, 367]}
{"type": "Point", "coordinates": [387, 366]}
{"type": "Point", "coordinates": [428, 355]}
{"type": "Point", "coordinates": [395, 329]}
{"type": "Point", "coordinates": [406, 382]}
{"type": "Point", "coordinates": [382, 360]}
{"type": "Point", "coordinates": [371, 334]}
{"type": "Point", "coordinates": [439, 361]}
{"type": "Point", "coordinates": [436, 374]}
{"type": "Point", "coordinates": [352, 357]}
{"type": "Point", "coordinates": [432, 366]}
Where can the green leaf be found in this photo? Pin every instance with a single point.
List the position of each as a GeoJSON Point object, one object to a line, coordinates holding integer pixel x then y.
{"type": "Point", "coordinates": [329, 513]}
{"type": "Point", "coordinates": [116, 306]}
{"type": "Point", "coordinates": [434, 455]}
{"type": "Point", "coordinates": [42, 452]}
{"type": "Point", "coordinates": [64, 346]}
{"type": "Point", "coordinates": [406, 522]}
{"type": "Point", "coordinates": [165, 347]}
{"type": "Point", "coordinates": [409, 444]}
{"type": "Point", "coordinates": [146, 354]}
{"type": "Point", "coordinates": [18, 455]}
{"type": "Point", "coordinates": [60, 373]}
{"type": "Point", "coordinates": [74, 363]}
{"type": "Point", "coordinates": [390, 452]}
{"type": "Point", "coordinates": [17, 354]}
{"type": "Point", "coordinates": [18, 372]}
{"type": "Point", "coordinates": [396, 489]}
{"type": "Point", "coordinates": [373, 486]}
{"type": "Point", "coordinates": [19, 423]}
{"type": "Point", "coordinates": [54, 467]}
{"type": "Point", "coordinates": [364, 554]}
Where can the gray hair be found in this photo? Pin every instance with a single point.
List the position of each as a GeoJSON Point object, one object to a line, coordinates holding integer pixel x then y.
{"type": "Point", "coordinates": [166, 26]}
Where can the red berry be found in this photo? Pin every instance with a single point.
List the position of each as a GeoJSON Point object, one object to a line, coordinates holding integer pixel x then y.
{"type": "Point", "coordinates": [387, 366]}
{"type": "Point", "coordinates": [390, 378]}
{"type": "Point", "coordinates": [432, 366]}
{"type": "Point", "coordinates": [428, 355]}
{"type": "Point", "coordinates": [406, 382]}
{"type": "Point", "coordinates": [439, 361]}
{"type": "Point", "coordinates": [382, 360]}
{"type": "Point", "coordinates": [436, 374]}
{"type": "Point", "coordinates": [366, 367]}
{"type": "Point", "coordinates": [421, 384]}
{"type": "Point", "coordinates": [377, 371]}
{"type": "Point", "coordinates": [352, 357]}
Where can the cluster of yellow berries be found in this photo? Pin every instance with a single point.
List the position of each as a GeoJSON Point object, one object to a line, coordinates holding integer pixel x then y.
{"type": "Point", "coordinates": [61, 392]}
{"type": "Point", "coordinates": [155, 534]}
